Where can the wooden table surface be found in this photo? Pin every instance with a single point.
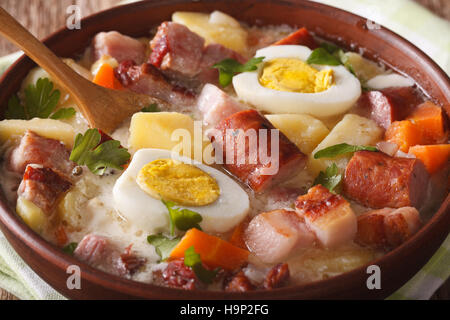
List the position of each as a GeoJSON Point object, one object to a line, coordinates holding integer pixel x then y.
{"type": "Point", "coordinates": [43, 17]}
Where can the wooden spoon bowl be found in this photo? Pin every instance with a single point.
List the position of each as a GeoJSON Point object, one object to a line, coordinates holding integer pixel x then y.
{"type": "Point", "coordinates": [345, 29]}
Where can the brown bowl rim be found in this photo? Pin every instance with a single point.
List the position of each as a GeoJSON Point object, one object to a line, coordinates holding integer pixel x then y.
{"type": "Point", "coordinates": [10, 221]}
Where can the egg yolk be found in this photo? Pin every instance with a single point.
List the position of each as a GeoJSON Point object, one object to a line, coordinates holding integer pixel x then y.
{"type": "Point", "coordinates": [294, 75]}
{"type": "Point", "coordinates": [179, 182]}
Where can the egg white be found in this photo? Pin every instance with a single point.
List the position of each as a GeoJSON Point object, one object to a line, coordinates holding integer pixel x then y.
{"type": "Point", "coordinates": [150, 214]}
{"type": "Point", "coordinates": [336, 100]}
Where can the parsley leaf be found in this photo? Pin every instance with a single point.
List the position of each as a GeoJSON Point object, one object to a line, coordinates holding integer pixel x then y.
{"type": "Point", "coordinates": [330, 179]}
{"type": "Point", "coordinates": [70, 248]}
{"type": "Point", "coordinates": [192, 259]}
{"type": "Point", "coordinates": [163, 245]}
{"type": "Point", "coordinates": [151, 108]}
{"type": "Point", "coordinates": [230, 67]}
{"type": "Point", "coordinates": [340, 149]}
{"type": "Point", "coordinates": [323, 57]}
{"type": "Point", "coordinates": [182, 219]}
{"type": "Point", "coordinates": [98, 157]}
{"type": "Point", "coordinates": [40, 102]}
{"type": "Point", "coordinates": [63, 114]}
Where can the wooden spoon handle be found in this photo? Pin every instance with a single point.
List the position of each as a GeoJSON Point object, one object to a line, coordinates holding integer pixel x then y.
{"type": "Point", "coordinates": [63, 74]}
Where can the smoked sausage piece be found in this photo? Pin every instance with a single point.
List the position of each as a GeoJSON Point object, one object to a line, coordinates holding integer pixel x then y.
{"type": "Point", "coordinates": [377, 180]}
{"type": "Point", "coordinates": [244, 160]}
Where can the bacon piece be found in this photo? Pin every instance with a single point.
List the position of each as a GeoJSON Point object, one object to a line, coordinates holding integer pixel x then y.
{"type": "Point", "coordinates": [178, 275]}
{"type": "Point", "coordinates": [176, 48]}
{"type": "Point", "coordinates": [377, 180]}
{"type": "Point", "coordinates": [118, 46]}
{"type": "Point", "coordinates": [34, 149]}
{"type": "Point", "coordinates": [300, 37]}
{"type": "Point", "coordinates": [272, 236]}
{"type": "Point", "coordinates": [92, 249]}
{"type": "Point", "coordinates": [181, 54]}
{"type": "Point", "coordinates": [238, 283]}
{"type": "Point", "coordinates": [277, 277]}
{"type": "Point", "coordinates": [388, 105]}
{"type": "Point", "coordinates": [243, 135]}
{"type": "Point", "coordinates": [43, 187]}
{"type": "Point", "coordinates": [387, 228]}
{"type": "Point", "coordinates": [329, 215]}
{"type": "Point", "coordinates": [99, 252]}
{"type": "Point", "coordinates": [147, 79]}
{"type": "Point", "coordinates": [216, 105]}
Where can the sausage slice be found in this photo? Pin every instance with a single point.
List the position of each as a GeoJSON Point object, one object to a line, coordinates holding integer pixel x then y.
{"type": "Point", "coordinates": [377, 180]}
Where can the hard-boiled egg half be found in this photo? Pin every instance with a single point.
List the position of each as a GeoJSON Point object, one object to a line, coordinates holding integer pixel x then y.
{"type": "Point", "coordinates": [156, 174]}
{"type": "Point", "coordinates": [285, 83]}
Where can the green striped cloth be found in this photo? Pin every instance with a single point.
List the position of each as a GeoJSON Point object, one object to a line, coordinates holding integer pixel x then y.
{"type": "Point", "coordinates": [408, 19]}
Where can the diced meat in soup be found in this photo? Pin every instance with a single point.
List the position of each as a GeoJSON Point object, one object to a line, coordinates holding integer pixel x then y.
{"type": "Point", "coordinates": [388, 105]}
{"type": "Point", "coordinates": [98, 251]}
{"type": "Point", "coordinates": [387, 228]}
{"type": "Point", "coordinates": [146, 79]}
{"type": "Point", "coordinates": [244, 162]}
{"type": "Point", "coordinates": [216, 105]}
{"type": "Point", "coordinates": [43, 187]}
{"type": "Point", "coordinates": [34, 149]}
{"type": "Point", "coordinates": [377, 180]}
{"type": "Point", "coordinates": [273, 236]}
{"type": "Point", "coordinates": [119, 47]}
{"type": "Point", "coordinates": [328, 215]}
{"type": "Point", "coordinates": [177, 49]}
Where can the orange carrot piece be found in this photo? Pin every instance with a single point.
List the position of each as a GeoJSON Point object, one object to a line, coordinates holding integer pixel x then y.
{"type": "Point", "coordinates": [61, 236]}
{"type": "Point", "coordinates": [431, 121]}
{"type": "Point", "coordinates": [237, 238]}
{"type": "Point", "coordinates": [105, 77]}
{"type": "Point", "coordinates": [299, 37]}
{"type": "Point", "coordinates": [213, 251]}
{"type": "Point", "coordinates": [434, 157]}
{"type": "Point", "coordinates": [405, 134]}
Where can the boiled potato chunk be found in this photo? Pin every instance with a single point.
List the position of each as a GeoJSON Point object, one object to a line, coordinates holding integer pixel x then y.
{"type": "Point", "coordinates": [305, 131]}
{"type": "Point", "coordinates": [32, 215]}
{"type": "Point", "coordinates": [49, 128]}
{"type": "Point", "coordinates": [364, 68]}
{"type": "Point", "coordinates": [167, 130]}
{"type": "Point", "coordinates": [352, 129]}
{"type": "Point", "coordinates": [216, 27]}
{"type": "Point", "coordinates": [318, 264]}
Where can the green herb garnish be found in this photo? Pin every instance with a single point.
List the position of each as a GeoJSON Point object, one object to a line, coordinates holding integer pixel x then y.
{"type": "Point", "coordinates": [70, 248]}
{"type": "Point", "coordinates": [63, 114]}
{"type": "Point", "coordinates": [40, 102]}
{"type": "Point", "coordinates": [182, 219]}
{"type": "Point", "coordinates": [230, 67]}
{"type": "Point", "coordinates": [192, 259]}
{"type": "Point", "coordinates": [323, 57]}
{"type": "Point", "coordinates": [163, 245]}
{"type": "Point", "coordinates": [151, 108]}
{"type": "Point", "coordinates": [330, 179]}
{"type": "Point", "coordinates": [98, 157]}
{"type": "Point", "coordinates": [340, 149]}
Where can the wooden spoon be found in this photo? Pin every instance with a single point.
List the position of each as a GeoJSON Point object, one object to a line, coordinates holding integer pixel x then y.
{"type": "Point", "coordinates": [103, 108]}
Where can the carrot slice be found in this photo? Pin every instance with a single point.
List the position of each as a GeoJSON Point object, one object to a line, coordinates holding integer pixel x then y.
{"type": "Point", "coordinates": [299, 37]}
{"type": "Point", "coordinates": [434, 157]}
{"type": "Point", "coordinates": [405, 134]}
{"type": "Point", "coordinates": [213, 251]}
{"type": "Point", "coordinates": [105, 77]}
{"type": "Point", "coordinates": [431, 121]}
